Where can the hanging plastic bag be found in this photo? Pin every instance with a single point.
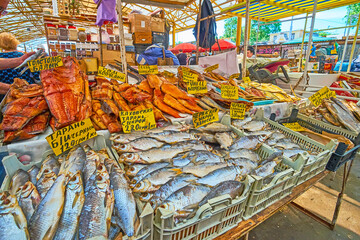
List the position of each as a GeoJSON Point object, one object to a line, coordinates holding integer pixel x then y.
{"type": "Point", "coordinates": [106, 11]}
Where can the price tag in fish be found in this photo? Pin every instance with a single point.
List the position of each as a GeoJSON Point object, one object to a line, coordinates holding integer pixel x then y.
{"type": "Point", "coordinates": [235, 75]}
{"type": "Point", "coordinates": [205, 117]}
{"type": "Point", "coordinates": [211, 68]}
{"type": "Point", "coordinates": [137, 120]}
{"type": "Point", "coordinates": [238, 110]}
{"type": "Point", "coordinates": [189, 76]}
{"type": "Point", "coordinates": [148, 69]}
{"type": "Point", "coordinates": [246, 80]}
{"type": "Point", "coordinates": [70, 136]}
{"type": "Point", "coordinates": [45, 63]}
{"type": "Point", "coordinates": [229, 92]}
{"type": "Point", "coordinates": [318, 97]}
{"type": "Point", "coordinates": [295, 126]}
{"type": "Point", "coordinates": [197, 87]}
{"type": "Point", "coordinates": [105, 72]}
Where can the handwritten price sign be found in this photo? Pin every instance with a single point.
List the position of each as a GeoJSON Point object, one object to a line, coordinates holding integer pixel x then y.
{"type": "Point", "coordinates": [295, 126]}
{"type": "Point", "coordinates": [137, 120]}
{"type": "Point", "coordinates": [197, 87]}
{"type": "Point", "coordinates": [205, 117]}
{"type": "Point", "coordinates": [318, 97]}
{"type": "Point", "coordinates": [229, 92]}
{"type": "Point", "coordinates": [45, 63]}
{"type": "Point", "coordinates": [105, 72]}
{"type": "Point", "coordinates": [238, 110]}
{"type": "Point", "coordinates": [148, 69]}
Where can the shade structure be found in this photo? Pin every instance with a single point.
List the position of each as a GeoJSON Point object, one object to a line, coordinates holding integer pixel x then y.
{"type": "Point", "coordinates": [314, 39]}
{"type": "Point", "coordinates": [186, 47]}
{"type": "Point", "coordinates": [224, 45]}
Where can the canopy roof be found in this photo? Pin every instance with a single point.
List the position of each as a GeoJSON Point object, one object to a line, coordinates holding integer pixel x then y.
{"type": "Point", "coordinates": [306, 39]}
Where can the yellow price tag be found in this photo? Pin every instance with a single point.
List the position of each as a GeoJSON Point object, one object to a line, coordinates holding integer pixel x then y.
{"type": "Point", "coordinates": [189, 76]}
{"type": "Point", "coordinates": [45, 63]}
{"type": "Point", "coordinates": [295, 126]}
{"type": "Point", "coordinates": [105, 72]}
{"type": "Point", "coordinates": [318, 97]}
{"type": "Point", "coordinates": [197, 87]}
{"type": "Point", "coordinates": [148, 69]}
{"type": "Point", "coordinates": [205, 117]}
{"type": "Point", "coordinates": [246, 80]}
{"type": "Point", "coordinates": [235, 75]}
{"type": "Point", "coordinates": [70, 136]}
{"type": "Point", "coordinates": [211, 68]}
{"type": "Point", "coordinates": [238, 110]}
{"type": "Point", "coordinates": [137, 120]}
{"type": "Point", "coordinates": [229, 92]}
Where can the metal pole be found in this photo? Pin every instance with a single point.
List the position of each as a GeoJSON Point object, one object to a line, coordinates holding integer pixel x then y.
{"type": "Point", "coordinates": [344, 50]}
{"type": "Point", "coordinates": [257, 32]}
{"type": "Point", "coordinates": [238, 32]}
{"type": "Point", "coordinates": [101, 47]}
{"type": "Point", "coordinates": [173, 35]}
{"type": "Point", "coordinates": [122, 40]}
{"type": "Point", "coordinates": [354, 44]}
{"type": "Point", "coordinates": [246, 39]}
{"type": "Point", "coordinates": [198, 34]}
{"type": "Point", "coordinates": [302, 43]}
{"type": "Point", "coordinates": [24, 47]}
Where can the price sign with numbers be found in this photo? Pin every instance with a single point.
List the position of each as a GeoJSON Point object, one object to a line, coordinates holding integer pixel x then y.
{"type": "Point", "coordinates": [205, 117]}
{"type": "Point", "coordinates": [238, 110]}
{"type": "Point", "coordinates": [137, 120]}
{"type": "Point", "coordinates": [229, 92]}
{"type": "Point", "coordinates": [318, 97]}
{"type": "Point", "coordinates": [148, 69]}
{"type": "Point", "coordinates": [105, 72]}
{"type": "Point", "coordinates": [45, 63]}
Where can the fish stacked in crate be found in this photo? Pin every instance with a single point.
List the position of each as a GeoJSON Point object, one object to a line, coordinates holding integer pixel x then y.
{"type": "Point", "coordinates": [172, 169]}
{"type": "Point", "coordinates": [25, 113]}
{"type": "Point", "coordinates": [83, 194]}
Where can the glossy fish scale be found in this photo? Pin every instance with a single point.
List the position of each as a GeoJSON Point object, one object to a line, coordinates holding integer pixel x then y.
{"type": "Point", "coordinates": [141, 144]}
{"type": "Point", "coordinates": [143, 173]}
{"type": "Point", "coordinates": [195, 157]}
{"type": "Point", "coordinates": [50, 163]}
{"type": "Point", "coordinates": [266, 169]}
{"type": "Point", "coordinates": [174, 137]}
{"type": "Point", "coordinates": [154, 180]}
{"type": "Point", "coordinates": [75, 160]}
{"type": "Point", "coordinates": [45, 182]}
{"type": "Point", "coordinates": [245, 165]}
{"type": "Point", "coordinates": [92, 159]}
{"type": "Point", "coordinates": [133, 169]}
{"type": "Point", "coordinates": [33, 172]}
{"type": "Point", "coordinates": [220, 175]}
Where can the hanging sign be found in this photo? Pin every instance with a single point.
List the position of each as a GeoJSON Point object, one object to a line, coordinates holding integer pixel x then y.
{"type": "Point", "coordinates": [197, 87]}
{"type": "Point", "coordinates": [70, 136]}
{"type": "Point", "coordinates": [229, 92]}
{"type": "Point", "coordinates": [105, 72]}
{"type": "Point", "coordinates": [318, 97]}
{"type": "Point", "coordinates": [238, 110]}
{"type": "Point", "coordinates": [45, 63]}
{"type": "Point", "coordinates": [205, 117]}
{"type": "Point", "coordinates": [189, 76]}
{"type": "Point", "coordinates": [295, 126]}
{"type": "Point", "coordinates": [148, 69]}
{"type": "Point", "coordinates": [211, 68]}
{"type": "Point", "coordinates": [235, 75]}
{"type": "Point", "coordinates": [137, 120]}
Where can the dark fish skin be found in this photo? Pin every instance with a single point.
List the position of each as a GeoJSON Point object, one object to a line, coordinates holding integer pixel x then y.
{"type": "Point", "coordinates": [33, 172]}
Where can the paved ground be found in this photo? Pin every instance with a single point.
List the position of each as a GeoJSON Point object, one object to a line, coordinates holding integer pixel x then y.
{"type": "Point", "coordinates": [291, 224]}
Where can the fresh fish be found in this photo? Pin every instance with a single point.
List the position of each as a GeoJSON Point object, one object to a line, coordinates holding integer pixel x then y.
{"type": "Point", "coordinates": [183, 199]}
{"type": "Point", "coordinates": [125, 205]}
{"type": "Point", "coordinates": [248, 142]}
{"type": "Point", "coordinates": [276, 156]}
{"type": "Point", "coordinates": [74, 201]}
{"type": "Point", "coordinates": [173, 137]}
{"type": "Point", "coordinates": [76, 159]}
{"type": "Point", "coordinates": [43, 223]}
{"type": "Point", "coordinates": [132, 170]}
{"type": "Point", "coordinates": [215, 127]}
{"type": "Point", "coordinates": [143, 173]}
{"type": "Point", "coordinates": [195, 157]}
{"type": "Point", "coordinates": [240, 123]}
{"type": "Point", "coordinates": [276, 136]}
{"type": "Point", "coordinates": [262, 132]}
{"type": "Point", "coordinates": [169, 187]}
{"type": "Point", "coordinates": [231, 187]}
{"type": "Point", "coordinates": [292, 152]}
{"type": "Point", "coordinates": [18, 180]}
{"type": "Point", "coordinates": [202, 170]}
{"type": "Point", "coordinates": [245, 153]}
{"type": "Point", "coordinates": [92, 159]}
{"type": "Point", "coordinates": [206, 137]}
{"type": "Point", "coordinates": [138, 145]}
{"type": "Point", "coordinates": [96, 213]}
{"type": "Point", "coordinates": [286, 143]}
{"type": "Point", "coordinates": [45, 182]}
{"type": "Point", "coordinates": [13, 223]}
{"type": "Point", "coordinates": [50, 163]}
{"type": "Point", "coordinates": [220, 175]}
{"type": "Point", "coordinates": [33, 172]}
{"type": "Point", "coordinates": [245, 165]}
{"type": "Point", "coordinates": [126, 138]}
{"type": "Point", "coordinates": [224, 139]}
{"type": "Point", "coordinates": [254, 126]}
{"type": "Point", "coordinates": [28, 198]}
{"type": "Point", "coordinates": [208, 101]}
{"type": "Point", "coordinates": [266, 169]}
{"type": "Point", "coordinates": [154, 180]}
{"type": "Point", "coordinates": [32, 57]}
{"type": "Point", "coordinates": [337, 109]}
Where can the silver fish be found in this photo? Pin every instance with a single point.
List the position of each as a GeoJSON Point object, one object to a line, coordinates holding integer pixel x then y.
{"type": "Point", "coordinates": [240, 123]}
{"type": "Point", "coordinates": [220, 175]}
{"type": "Point", "coordinates": [266, 169]}
{"type": "Point", "coordinates": [18, 180]}
{"type": "Point", "coordinates": [43, 223]}
{"type": "Point", "coordinates": [138, 145]}
{"type": "Point", "coordinates": [50, 163]}
{"type": "Point", "coordinates": [254, 126]}
{"type": "Point", "coordinates": [195, 157]}
{"type": "Point", "coordinates": [246, 166]}
{"type": "Point", "coordinates": [125, 205]}
{"type": "Point", "coordinates": [248, 142]}
{"type": "Point", "coordinates": [28, 198]}
{"type": "Point", "coordinates": [154, 180]}
{"type": "Point", "coordinates": [74, 201]}
{"type": "Point", "coordinates": [215, 127]}
{"type": "Point", "coordinates": [276, 136]}
{"type": "Point", "coordinates": [45, 182]}
{"type": "Point", "coordinates": [106, 160]}
{"type": "Point", "coordinates": [126, 138]}
{"type": "Point", "coordinates": [13, 223]}
{"type": "Point", "coordinates": [132, 170]}
{"type": "Point", "coordinates": [262, 132]}
{"type": "Point", "coordinates": [286, 143]}
{"type": "Point", "coordinates": [174, 137]}
{"type": "Point", "coordinates": [224, 139]}
{"type": "Point", "coordinates": [143, 173]}
{"type": "Point", "coordinates": [245, 153]}
{"type": "Point", "coordinates": [75, 160]}
{"type": "Point", "coordinates": [206, 137]}
{"type": "Point", "coordinates": [92, 159]}
{"type": "Point", "coordinates": [202, 170]}
{"type": "Point", "coordinates": [33, 172]}
{"type": "Point", "coordinates": [292, 152]}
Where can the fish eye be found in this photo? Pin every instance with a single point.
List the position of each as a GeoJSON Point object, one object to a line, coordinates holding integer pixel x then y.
{"type": "Point", "coordinates": [130, 155]}
{"type": "Point", "coordinates": [98, 178]}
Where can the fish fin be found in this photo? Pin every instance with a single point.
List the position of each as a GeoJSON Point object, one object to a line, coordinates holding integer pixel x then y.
{"type": "Point", "coordinates": [136, 225]}
{"type": "Point", "coordinates": [48, 232]}
{"type": "Point", "coordinates": [77, 195]}
{"type": "Point", "coordinates": [191, 207]}
{"type": "Point", "coordinates": [177, 170]}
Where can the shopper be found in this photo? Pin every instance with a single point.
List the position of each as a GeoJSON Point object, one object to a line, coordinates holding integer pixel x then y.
{"type": "Point", "coordinates": [181, 57]}
{"type": "Point", "coordinates": [250, 52]}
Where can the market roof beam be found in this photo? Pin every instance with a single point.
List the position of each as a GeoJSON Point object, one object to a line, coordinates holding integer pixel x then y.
{"type": "Point", "coordinates": [284, 6]}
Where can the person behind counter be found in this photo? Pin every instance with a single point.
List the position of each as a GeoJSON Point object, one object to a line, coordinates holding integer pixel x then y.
{"type": "Point", "coordinates": [181, 57]}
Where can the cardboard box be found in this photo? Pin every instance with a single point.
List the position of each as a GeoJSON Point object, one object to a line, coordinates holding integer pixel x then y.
{"type": "Point", "coordinates": [130, 57]}
{"type": "Point", "coordinates": [139, 23]}
{"type": "Point", "coordinates": [142, 38]}
{"type": "Point", "coordinates": [157, 24]}
{"type": "Point", "coordinates": [91, 64]}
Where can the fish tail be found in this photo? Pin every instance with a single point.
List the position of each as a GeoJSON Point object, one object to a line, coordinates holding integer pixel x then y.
{"type": "Point", "coordinates": [177, 170]}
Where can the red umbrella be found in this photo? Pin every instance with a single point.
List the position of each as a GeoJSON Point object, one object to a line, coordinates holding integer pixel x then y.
{"type": "Point", "coordinates": [186, 47]}
{"type": "Point", "coordinates": [223, 45]}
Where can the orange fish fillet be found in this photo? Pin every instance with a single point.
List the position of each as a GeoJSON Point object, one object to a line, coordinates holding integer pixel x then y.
{"type": "Point", "coordinates": [176, 92]}
{"type": "Point", "coordinates": [144, 85]}
{"type": "Point", "coordinates": [190, 105]}
{"type": "Point", "coordinates": [158, 101]}
{"type": "Point", "coordinates": [154, 81]}
{"type": "Point", "coordinates": [171, 101]}
{"type": "Point", "coordinates": [157, 113]}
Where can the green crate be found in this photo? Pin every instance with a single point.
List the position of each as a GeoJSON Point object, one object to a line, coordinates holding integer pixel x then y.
{"type": "Point", "coordinates": [214, 218]}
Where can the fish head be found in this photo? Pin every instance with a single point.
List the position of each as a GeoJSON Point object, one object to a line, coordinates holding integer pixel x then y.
{"type": "Point", "coordinates": [130, 157]}
{"type": "Point", "coordinates": [132, 170]}
{"type": "Point", "coordinates": [168, 206]}
{"type": "Point", "coordinates": [87, 148]}
{"type": "Point", "coordinates": [75, 181]}
{"type": "Point", "coordinates": [101, 183]}
{"type": "Point", "coordinates": [8, 204]}
{"type": "Point", "coordinates": [145, 197]}
{"type": "Point", "coordinates": [123, 147]}
{"type": "Point", "coordinates": [25, 190]}
{"type": "Point", "coordinates": [142, 186]}
{"type": "Point", "coordinates": [3, 196]}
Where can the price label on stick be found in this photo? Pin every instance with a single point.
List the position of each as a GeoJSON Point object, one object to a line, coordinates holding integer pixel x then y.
{"type": "Point", "coordinates": [70, 136]}
{"type": "Point", "coordinates": [229, 92]}
{"type": "Point", "coordinates": [148, 69]}
{"type": "Point", "coordinates": [205, 117]}
{"type": "Point", "coordinates": [235, 75]}
{"type": "Point", "coordinates": [189, 76]}
{"type": "Point", "coordinates": [137, 120]}
{"type": "Point", "coordinates": [318, 97]}
{"type": "Point", "coordinates": [295, 126]}
{"type": "Point", "coordinates": [238, 110]}
{"type": "Point", "coordinates": [45, 63]}
{"type": "Point", "coordinates": [105, 72]}
{"type": "Point", "coordinates": [197, 87]}
{"type": "Point", "coordinates": [211, 68]}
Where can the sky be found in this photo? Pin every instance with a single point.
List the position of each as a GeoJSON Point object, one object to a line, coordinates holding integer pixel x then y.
{"type": "Point", "coordinates": [324, 20]}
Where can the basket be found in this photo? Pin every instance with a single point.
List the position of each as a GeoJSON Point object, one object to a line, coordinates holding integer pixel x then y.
{"type": "Point", "coordinates": [212, 219]}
